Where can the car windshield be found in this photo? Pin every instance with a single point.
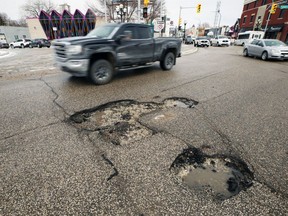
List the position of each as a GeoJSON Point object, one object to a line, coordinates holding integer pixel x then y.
{"type": "Point", "coordinates": [222, 37]}
{"type": "Point", "coordinates": [274, 43]}
{"type": "Point", "coordinates": [102, 31]}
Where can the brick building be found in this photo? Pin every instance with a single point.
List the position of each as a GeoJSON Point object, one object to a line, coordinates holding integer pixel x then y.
{"type": "Point", "coordinates": [255, 16]}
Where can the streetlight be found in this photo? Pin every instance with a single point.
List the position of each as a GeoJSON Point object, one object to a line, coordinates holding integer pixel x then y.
{"type": "Point", "coordinates": [121, 11]}
{"type": "Point", "coordinates": [219, 23]}
{"type": "Point", "coordinates": [185, 23]}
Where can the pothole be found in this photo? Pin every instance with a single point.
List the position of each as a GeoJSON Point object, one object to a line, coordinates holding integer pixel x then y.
{"type": "Point", "coordinates": [224, 176]}
{"type": "Point", "coordinates": [118, 122]}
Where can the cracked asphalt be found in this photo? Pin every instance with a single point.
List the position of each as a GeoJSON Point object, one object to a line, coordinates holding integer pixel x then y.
{"type": "Point", "coordinates": [49, 166]}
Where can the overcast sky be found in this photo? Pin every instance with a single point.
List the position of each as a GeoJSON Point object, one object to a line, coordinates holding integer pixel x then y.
{"type": "Point", "coordinates": [230, 10]}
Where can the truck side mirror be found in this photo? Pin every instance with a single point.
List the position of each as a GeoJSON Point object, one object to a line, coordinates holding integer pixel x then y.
{"type": "Point", "coordinates": [119, 38]}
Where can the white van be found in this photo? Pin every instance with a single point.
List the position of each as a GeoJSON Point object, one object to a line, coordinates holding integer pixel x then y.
{"type": "Point", "coordinates": [246, 37]}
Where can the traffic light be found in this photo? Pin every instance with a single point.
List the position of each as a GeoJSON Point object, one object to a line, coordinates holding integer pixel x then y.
{"type": "Point", "coordinates": [273, 8]}
{"type": "Point", "coordinates": [198, 8]}
{"type": "Point", "coordinates": [146, 2]}
{"type": "Point", "coordinates": [179, 21]}
{"type": "Point", "coordinates": [145, 12]}
{"type": "Point", "coordinates": [179, 28]}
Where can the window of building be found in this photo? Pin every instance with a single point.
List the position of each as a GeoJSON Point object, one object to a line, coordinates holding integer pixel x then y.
{"type": "Point", "coordinates": [252, 18]}
{"type": "Point", "coordinates": [281, 15]}
{"type": "Point", "coordinates": [16, 37]}
{"type": "Point", "coordinates": [264, 2]}
{"type": "Point", "coordinates": [246, 6]}
{"type": "Point", "coordinates": [255, 4]}
{"type": "Point", "coordinates": [244, 19]}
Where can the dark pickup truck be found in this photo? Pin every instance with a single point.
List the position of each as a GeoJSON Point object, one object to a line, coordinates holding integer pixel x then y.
{"type": "Point", "coordinates": [114, 47]}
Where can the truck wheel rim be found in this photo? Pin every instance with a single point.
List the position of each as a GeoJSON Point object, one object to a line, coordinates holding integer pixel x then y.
{"type": "Point", "coordinates": [169, 61]}
{"type": "Point", "coordinates": [101, 73]}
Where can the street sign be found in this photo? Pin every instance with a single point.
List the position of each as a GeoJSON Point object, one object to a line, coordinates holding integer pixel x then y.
{"type": "Point", "coordinates": [160, 25]}
{"type": "Point", "coordinates": [282, 7]}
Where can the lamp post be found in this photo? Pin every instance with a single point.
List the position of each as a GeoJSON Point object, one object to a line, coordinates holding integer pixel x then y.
{"type": "Point", "coordinates": [219, 23]}
{"type": "Point", "coordinates": [185, 23]}
{"type": "Point", "coordinates": [121, 12]}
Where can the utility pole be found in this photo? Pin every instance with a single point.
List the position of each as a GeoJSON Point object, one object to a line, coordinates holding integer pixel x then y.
{"type": "Point", "coordinates": [217, 14]}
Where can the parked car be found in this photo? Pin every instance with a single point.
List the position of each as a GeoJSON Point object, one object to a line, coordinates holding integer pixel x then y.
{"type": "Point", "coordinates": [188, 40]}
{"type": "Point", "coordinates": [21, 43]}
{"type": "Point", "coordinates": [4, 45]}
{"type": "Point", "coordinates": [266, 49]}
{"type": "Point", "coordinates": [202, 41]}
{"type": "Point", "coordinates": [40, 42]}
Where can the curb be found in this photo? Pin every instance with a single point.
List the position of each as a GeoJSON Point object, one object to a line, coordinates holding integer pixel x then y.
{"type": "Point", "coordinates": [3, 53]}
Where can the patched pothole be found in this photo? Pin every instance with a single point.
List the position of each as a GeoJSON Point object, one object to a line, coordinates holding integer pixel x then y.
{"type": "Point", "coordinates": [118, 122]}
{"type": "Point", "coordinates": [224, 176]}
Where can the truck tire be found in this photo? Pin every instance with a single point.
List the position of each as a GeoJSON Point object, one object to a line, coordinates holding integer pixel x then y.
{"type": "Point", "coordinates": [101, 72]}
{"type": "Point", "coordinates": [168, 61]}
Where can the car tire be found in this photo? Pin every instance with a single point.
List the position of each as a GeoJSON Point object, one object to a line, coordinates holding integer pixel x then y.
{"type": "Point", "coordinates": [264, 56]}
{"type": "Point", "coordinates": [168, 61]}
{"type": "Point", "coordinates": [39, 46]}
{"type": "Point", "coordinates": [22, 46]}
{"type": "Point", "coordinates": [48, 46]}
{"type": "Point", "coordinates": [101, 72]}
{"type": "Point", "coordinates": [245, 52]}
{"type": "Point", "coordinates": [12, 46]}
{"type": "Point", "coordinates": [30, 46]}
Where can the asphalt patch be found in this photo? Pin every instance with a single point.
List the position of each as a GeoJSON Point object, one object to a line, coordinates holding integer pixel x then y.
{"type": "Point", "coordinates": [222, 175]}
{"type": "Point", "coordinates": [118, 122]}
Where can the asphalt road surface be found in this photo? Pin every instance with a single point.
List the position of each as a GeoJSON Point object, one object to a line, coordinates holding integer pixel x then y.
{"type": "Point", "coordinates": [208, 137]}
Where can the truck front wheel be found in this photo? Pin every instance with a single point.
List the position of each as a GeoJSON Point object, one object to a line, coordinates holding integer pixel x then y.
{"type": "Point", "coordinates": [168, 61]}
{"type": "Point", "coordinates": [101, 72]}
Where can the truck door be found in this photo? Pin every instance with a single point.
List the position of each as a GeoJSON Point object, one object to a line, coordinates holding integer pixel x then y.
{"type": "Point", "coordinates": [145, 44]}
{"type": "Point", "coordinates": [128, 50]}
{"type": "Point", "coordinates": [138, 49]}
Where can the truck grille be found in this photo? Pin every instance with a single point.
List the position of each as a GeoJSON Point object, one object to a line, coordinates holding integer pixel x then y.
{"type": "Point", "coordinates": [60, 50]}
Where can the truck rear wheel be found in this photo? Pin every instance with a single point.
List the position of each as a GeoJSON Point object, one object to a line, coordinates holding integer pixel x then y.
{"type": "Point", "coordinates": [101, 72]}
{"type": "Point", "coordinates": [168, 61]}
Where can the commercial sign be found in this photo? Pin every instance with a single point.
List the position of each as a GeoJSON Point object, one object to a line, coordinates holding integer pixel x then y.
{"type": "Point", "coordinates": [282, 7]}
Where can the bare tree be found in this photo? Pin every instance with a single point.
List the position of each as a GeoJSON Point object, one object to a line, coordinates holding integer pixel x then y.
{"type": "Point", "coordinates": [132, 6]}
{"type": "Point", "coordinates": [6, 21]}
{"type": "Point", "coordinates": [32, 8]}
{"type": "Point", "coordinates": [3, 19]}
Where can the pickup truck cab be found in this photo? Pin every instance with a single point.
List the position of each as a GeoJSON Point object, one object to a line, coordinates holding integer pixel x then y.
{"type": "Point", "coordinates": [114, 47]}
{"type": "Point", "coordinates": [220, 40]}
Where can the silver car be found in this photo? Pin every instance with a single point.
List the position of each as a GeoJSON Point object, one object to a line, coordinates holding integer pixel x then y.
{"type": "Point", "coordinates": [266, 49]}
{"type": "Point", "coordinates": [201, 41]}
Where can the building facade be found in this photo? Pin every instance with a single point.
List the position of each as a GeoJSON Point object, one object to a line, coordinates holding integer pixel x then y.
{"type": "Point", "coordinates": [255, 17]}
{"type": "Point", "coordinates": [56, 25]}
{"type": "Point", "coordinates": [13, 33]}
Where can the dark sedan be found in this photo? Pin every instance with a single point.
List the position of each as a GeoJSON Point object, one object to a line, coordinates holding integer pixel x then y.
{"type": "Point", "coordinates": [4, 45]}
{"type": "Point", "coordinates": [40, 42]}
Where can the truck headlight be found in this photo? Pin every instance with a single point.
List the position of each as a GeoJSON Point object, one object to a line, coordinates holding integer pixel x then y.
{"type": "Point", "coordinates": [275, 52]}
{"type": "Point", "coordinates": [74, 49]}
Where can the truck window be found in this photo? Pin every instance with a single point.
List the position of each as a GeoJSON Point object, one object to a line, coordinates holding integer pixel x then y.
{"type": "Point", "coordinates": [131, 30]}
{"type": "Point", "coordinates": [144, 33]}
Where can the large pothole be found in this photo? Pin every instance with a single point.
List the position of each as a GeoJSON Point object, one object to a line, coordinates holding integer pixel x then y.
{"type": "Point", "coordinates": [118, 122]}
{"type": "Point", "coordinates": [224, 176]}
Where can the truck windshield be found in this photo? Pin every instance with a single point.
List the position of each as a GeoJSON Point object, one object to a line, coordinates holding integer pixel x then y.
{"type": "Point", "coordinates": [101, 31]}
